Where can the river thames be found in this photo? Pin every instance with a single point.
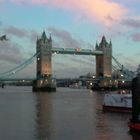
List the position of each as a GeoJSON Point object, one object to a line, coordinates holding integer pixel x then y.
{"type": "Point", "coordinates": [67, 114]}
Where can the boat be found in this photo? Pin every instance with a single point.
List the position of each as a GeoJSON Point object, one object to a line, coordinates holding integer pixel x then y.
{"type": "Point", "coordinates": [135, 127]}
{"type": "Point", "coordinates": [117, 102]}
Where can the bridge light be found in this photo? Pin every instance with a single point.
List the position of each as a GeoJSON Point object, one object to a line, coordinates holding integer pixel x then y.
{"type": "Point", "coordinates": [38, 58]}
{"type": "Point", "coordinates": [93, 76]}
{"type": "Point", "coordinates": [91, 84]}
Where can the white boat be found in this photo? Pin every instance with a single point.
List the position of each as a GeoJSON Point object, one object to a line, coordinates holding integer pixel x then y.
{"type": "Point", "coordinates": [117, 102]}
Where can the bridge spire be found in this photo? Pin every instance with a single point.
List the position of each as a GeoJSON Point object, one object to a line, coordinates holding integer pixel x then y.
{"type": "Point", "coordinates": [44, 37]}
{"type": "Point", "coordinates": [96, 45]}
{"type": "Point", "coordinates": [50, 38]}
{"type": "Point", "coordinates": [110, 44]}
{"type": "Point", "coordinates": [103, 42]}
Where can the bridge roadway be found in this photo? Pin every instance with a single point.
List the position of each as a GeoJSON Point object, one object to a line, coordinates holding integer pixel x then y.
{"type": "Point", "coordinates": [76, 51]}
{"type": "Point", "coordinates": [17, 79]}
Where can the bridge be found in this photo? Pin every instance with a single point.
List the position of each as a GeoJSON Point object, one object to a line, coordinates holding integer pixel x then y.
{"type": "Point", "coordinates": [76, 51]}
{"type": "Point", "coordinates": [44, 80]}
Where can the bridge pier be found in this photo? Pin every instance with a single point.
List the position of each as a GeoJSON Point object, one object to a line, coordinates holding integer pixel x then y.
{"type": "Point", "coordinates": [44, 79]}
{"type": "Point", "coordinates": [44, 85]}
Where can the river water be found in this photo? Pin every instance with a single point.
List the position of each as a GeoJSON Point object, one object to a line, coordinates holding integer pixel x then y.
{"type": "Point", "coordinates": [68, 114]}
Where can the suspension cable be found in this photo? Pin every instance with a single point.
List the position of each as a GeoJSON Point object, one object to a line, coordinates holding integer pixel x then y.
{"type": "Point", "coordinates": [19, 67]}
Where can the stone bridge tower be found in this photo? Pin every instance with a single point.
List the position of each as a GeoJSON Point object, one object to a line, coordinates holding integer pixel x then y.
{"type": "Point", "coordinates": [104, 62]}
{"type": "Point", "coordinates": [44, 81]}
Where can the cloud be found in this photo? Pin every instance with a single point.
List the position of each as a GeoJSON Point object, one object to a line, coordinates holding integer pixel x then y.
{"type": "Point", "coordinates": [64, 39]}
{"type": "Point", "coordinates": [129, 65]}
{"type": "Point", "coordinates": [21, 33]}
{"type": "Point", "coordinates": [1, 1]}
{"type": "Point", "coordinates": [105, 11]}
{"type": "Point", "coordinates": [127, 1]}
{"type": "Point", "coordinates": [27, 2]}
{"type": "Point", "coordinates": [125, 61]}
{"type": "Point", "coordinates": [132, 22]}
{"type": "Point", "coordinates": [135, 37]}
{"type": "Point", "coordinates": [16, 31]}
{"type": "Point", "coordinates": [33, 35]}
{"type": "Point", "coordinates": [10, 53]}
{"type": "Point", "coordinates": [137, 54]}
{"type": "Point", "coordinates": [81, 60]}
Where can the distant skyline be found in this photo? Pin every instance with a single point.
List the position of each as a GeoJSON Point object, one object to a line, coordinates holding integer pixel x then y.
{"type": "Point", "coordinates": [76, 24]}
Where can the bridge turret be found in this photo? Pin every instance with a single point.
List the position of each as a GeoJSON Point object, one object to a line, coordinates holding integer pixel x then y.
{"type": "Point", "coordinates": [44, 49]}
{"type": "Point", "coordinates": [104, 62]}
{"type": "Point", "coordinates": [50, 38]}
{"type": "Point", "coordinates": [44, 63]}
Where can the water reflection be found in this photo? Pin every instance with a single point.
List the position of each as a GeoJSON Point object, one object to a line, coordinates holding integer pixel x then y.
{"type": "Point", "coordinates": [68, 114]}
{"type": "Point", "coordinates": [103, 132]}
{"type": "Point", "coordinates": [134, 135]}
{"type": "Point", "coordinates": [72, 115]}
{"type": "Point", "coordinates": [44, 115]}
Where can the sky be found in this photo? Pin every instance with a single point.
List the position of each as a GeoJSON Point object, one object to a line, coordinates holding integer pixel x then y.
{"type": "Point", "coordinates": [72, 24]}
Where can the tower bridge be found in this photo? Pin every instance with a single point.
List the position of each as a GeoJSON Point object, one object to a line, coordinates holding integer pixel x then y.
{"type": "Point", "coordinates": [44, 78]}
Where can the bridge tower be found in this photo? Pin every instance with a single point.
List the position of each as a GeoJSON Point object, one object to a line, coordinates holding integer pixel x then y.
{"type": "Point", "coordinates": [104, 62]}
{"type": "Point", "coordinates": [44, 81]}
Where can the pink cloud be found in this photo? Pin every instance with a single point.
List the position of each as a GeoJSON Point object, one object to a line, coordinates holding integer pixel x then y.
{"type": "Point", "coordinates": [105, 11]}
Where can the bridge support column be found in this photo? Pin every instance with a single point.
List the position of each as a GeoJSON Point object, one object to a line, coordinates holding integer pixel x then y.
{"type": "Point", "coordinates": [44, 80]}
{"type": "Point", "coordinates": [104, 64]}
{"type": "Point", "coordinates": [45, 84]}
